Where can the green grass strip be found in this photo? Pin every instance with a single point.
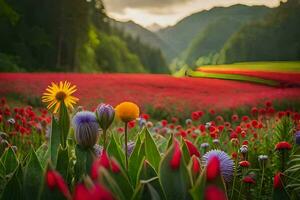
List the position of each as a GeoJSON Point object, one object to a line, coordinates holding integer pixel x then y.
{"type": "Point", "coordinates": [268, 66]}
{"type": "Point", "coordinates": [234, 77]}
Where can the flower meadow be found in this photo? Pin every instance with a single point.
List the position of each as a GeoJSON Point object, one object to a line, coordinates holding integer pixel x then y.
{"type": "Point", "coordinates": [65, 151]}
{"type": "Point", "coordinates": [151, 92]}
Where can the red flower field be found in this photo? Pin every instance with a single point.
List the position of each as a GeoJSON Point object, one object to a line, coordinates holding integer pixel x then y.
{"type": "Point", "coordinates": [156, 90]}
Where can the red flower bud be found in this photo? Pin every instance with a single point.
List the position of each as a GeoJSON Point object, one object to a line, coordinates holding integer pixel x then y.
{"type": "Point", "coordinates": [245, 118]}
{"type": "Point", "coordinates": [277, 184]}
{"type": "Point", "coordinates": [196, 165]}
{"type": "Point", "coordinates": [54, 180]}
{"type": "Point", "coordinates": [104, 160]}
{"type": "Point", "coordinates": [248, 179]}
{"type": "Point", "coordinates": [283, 146]}
{"type": "Point", "coordinates": [145, 116]}
{"type": "Point", "coordinates": [175, 161]}
{"type": "Point", "coordinates": [213, 168]}
{"type": "Point", "coordinates": [214, 193]}
{"type": "Point", "coordinates": [195, 116]}
{"type": "Point", "coordinates": [115, 166]}
{"type": "Point", "coordinates": [234, 118]}
{"type": "Point", "coordinates": [164, 123]}
{"type": "Point", "coordinates": [192, 148]}
{"type": "Point", "coordinates": [97, 192]}
{"type": "Point", "coordinates": [202, 128]}
{"type": "Point", "coordinates": [244, 163]}
{"type": "Point", "coordinates": [234, 155]}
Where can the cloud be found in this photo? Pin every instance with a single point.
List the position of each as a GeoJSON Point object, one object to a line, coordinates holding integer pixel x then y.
{"type": "Point", "coordinates": [155, 5]}
{"type": "Point", "coordinates": [168, 12]}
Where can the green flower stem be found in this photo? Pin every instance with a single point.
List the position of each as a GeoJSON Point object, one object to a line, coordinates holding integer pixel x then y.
{"type": "Point", "coordinates": [282, 160]}
{"type": "Point", "coordinates": [262, 178]}
{"type": "Point", "coordinates": [104, 139]}
{"type": "Point", "coordinates": [234, 179]}
{"type": "Point", "coordinates": [240, 190]}
{"type": "Point", "coordinates": [126, 155]}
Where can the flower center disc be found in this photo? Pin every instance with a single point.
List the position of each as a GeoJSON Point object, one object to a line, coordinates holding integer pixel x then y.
{"type": "Point", "coordinates": [60, 96]}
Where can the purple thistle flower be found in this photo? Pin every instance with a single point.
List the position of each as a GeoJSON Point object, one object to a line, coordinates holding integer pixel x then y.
{"type": "Point", "coordinates": [105, 114]}
{"type": "Point", "coordinates": [142, 122]}
{"type": "Point", "coordinates": [130, 147]}
{"type": "Point", "coordinates": [86, 128]}
{"type": "Point", "coordinates": [297, 137]}
{"type": "Point", "coordinates": [226, 163]}
{"type": "Point", "coordinates": [98, 150]}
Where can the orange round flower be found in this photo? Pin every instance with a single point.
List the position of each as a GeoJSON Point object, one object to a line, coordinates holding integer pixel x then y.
{"type": "Point", "coordinates": [127, 111]}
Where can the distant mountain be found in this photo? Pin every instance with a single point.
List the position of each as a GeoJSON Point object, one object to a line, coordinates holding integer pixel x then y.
{"type": "Point", "coordinates": [274, 37]}
{"type": "Point", "coordinates": [154, 27]}
{"type": "Point", "coordinates": [188, 30]}
{"type": "Point", "coordinates": [137, 31]}
{"type": "Point", "coordinates": [142, 42]}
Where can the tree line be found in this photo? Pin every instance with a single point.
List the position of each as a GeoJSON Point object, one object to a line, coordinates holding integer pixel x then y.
{"type": "Point", "coordinates": [69, 36]}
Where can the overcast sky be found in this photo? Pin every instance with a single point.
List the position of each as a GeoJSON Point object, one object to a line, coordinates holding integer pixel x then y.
{"type": "Point", "coordinates": [168, 12]}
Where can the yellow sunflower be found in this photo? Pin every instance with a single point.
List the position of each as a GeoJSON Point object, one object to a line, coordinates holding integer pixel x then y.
{"type": "Point", "coordinates": [58, 93]}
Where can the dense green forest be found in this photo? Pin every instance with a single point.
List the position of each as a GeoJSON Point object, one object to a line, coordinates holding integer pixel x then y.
{"type": "Point", "coordinates": [275, 37]}
{"type": "Point", "coordinates": [69, 35]}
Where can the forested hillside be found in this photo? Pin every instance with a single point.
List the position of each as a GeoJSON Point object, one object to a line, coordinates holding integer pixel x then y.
{"type": "Point", "coordinates": [69, 35]}
{"type": "Point", "coordinates": [275, 37]}
{"type": "Point", "coordinates": [188, 30]}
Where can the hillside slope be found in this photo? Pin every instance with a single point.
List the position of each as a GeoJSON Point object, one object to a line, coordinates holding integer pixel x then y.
{"type": "Point", "coordinates": [275, 37]}
{"type": "Point", "coordinates": [179, 36]}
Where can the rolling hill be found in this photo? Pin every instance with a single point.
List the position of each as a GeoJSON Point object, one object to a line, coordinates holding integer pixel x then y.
{"type": "Point", "coordinates": [272, 38]}
{"type": "Point", "coordinates": [180, 36]}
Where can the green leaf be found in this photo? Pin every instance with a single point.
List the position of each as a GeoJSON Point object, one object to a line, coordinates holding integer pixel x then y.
{"type": "Point", "coordinates": [111, 183]}
{"type": "Point", "coordinates": [115, 151]}
{"type": "Point", "coordinates": [170, 141]}
{"type": "Point", "coordinates": [198, 190]}
{"type": "Point", "coordinates": [13, 189]}
{"type": "Point", "coordinates": [9, 160]}
{"type": "Point", "coordinates": [123, 182]}
{"type": "Point", "coordinates": [54, 140]}
{"type": "Point", "coordinates": [63, 162]}
{"type": "Point", "coordinates": [151, 151]}
{"type": "Point", "coordinates": [280, 194]}
{"type": "Point", "coordinates": [149, 173]}
{"type": "Point", "coordinates": [135, 161]}
{"type": "Point", "coordinates": [2, 169]}
{"type": "Point", "coordinates": [185, 153]}
{"type": "Point", "coordinates": [146, 191]}
{"type": "Point", "coordinates": [175, 183]}
{"type": "Point", "coordinates": [43, 154]}
{"type": "Point", "coordinates": [33, 177]}
{"type": "Point", "coordinates": [64, 123]}
{"type": "Point", "coordinates": [84, 159]}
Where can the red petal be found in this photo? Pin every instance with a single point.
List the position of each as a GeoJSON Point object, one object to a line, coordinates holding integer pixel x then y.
{"type": "Point", "coordinates": [196, 165]}
{"type": "Point", "coordinates": [192, 149]}
{"type": "Point", "coordinates": [115, 166]}
{"type": "Point", "coordinates": [51, 182]}
{"type": "Point", "coordinates": [54, 179]}
{"type": "Point", "coordinates": [213, 168]}
{"type": "Point", "coordinates": [101, 193]}
{"type": "Point", "coordinates": [104, 160]}
{"type": "Point", "coordinates": [214, 193]}
{"type": "Point", "coordinates": [277, 181]}
{"type": "Point", "coordinates": [175, 161]}
{"type": "Point", "coordinates": [81, 193]}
